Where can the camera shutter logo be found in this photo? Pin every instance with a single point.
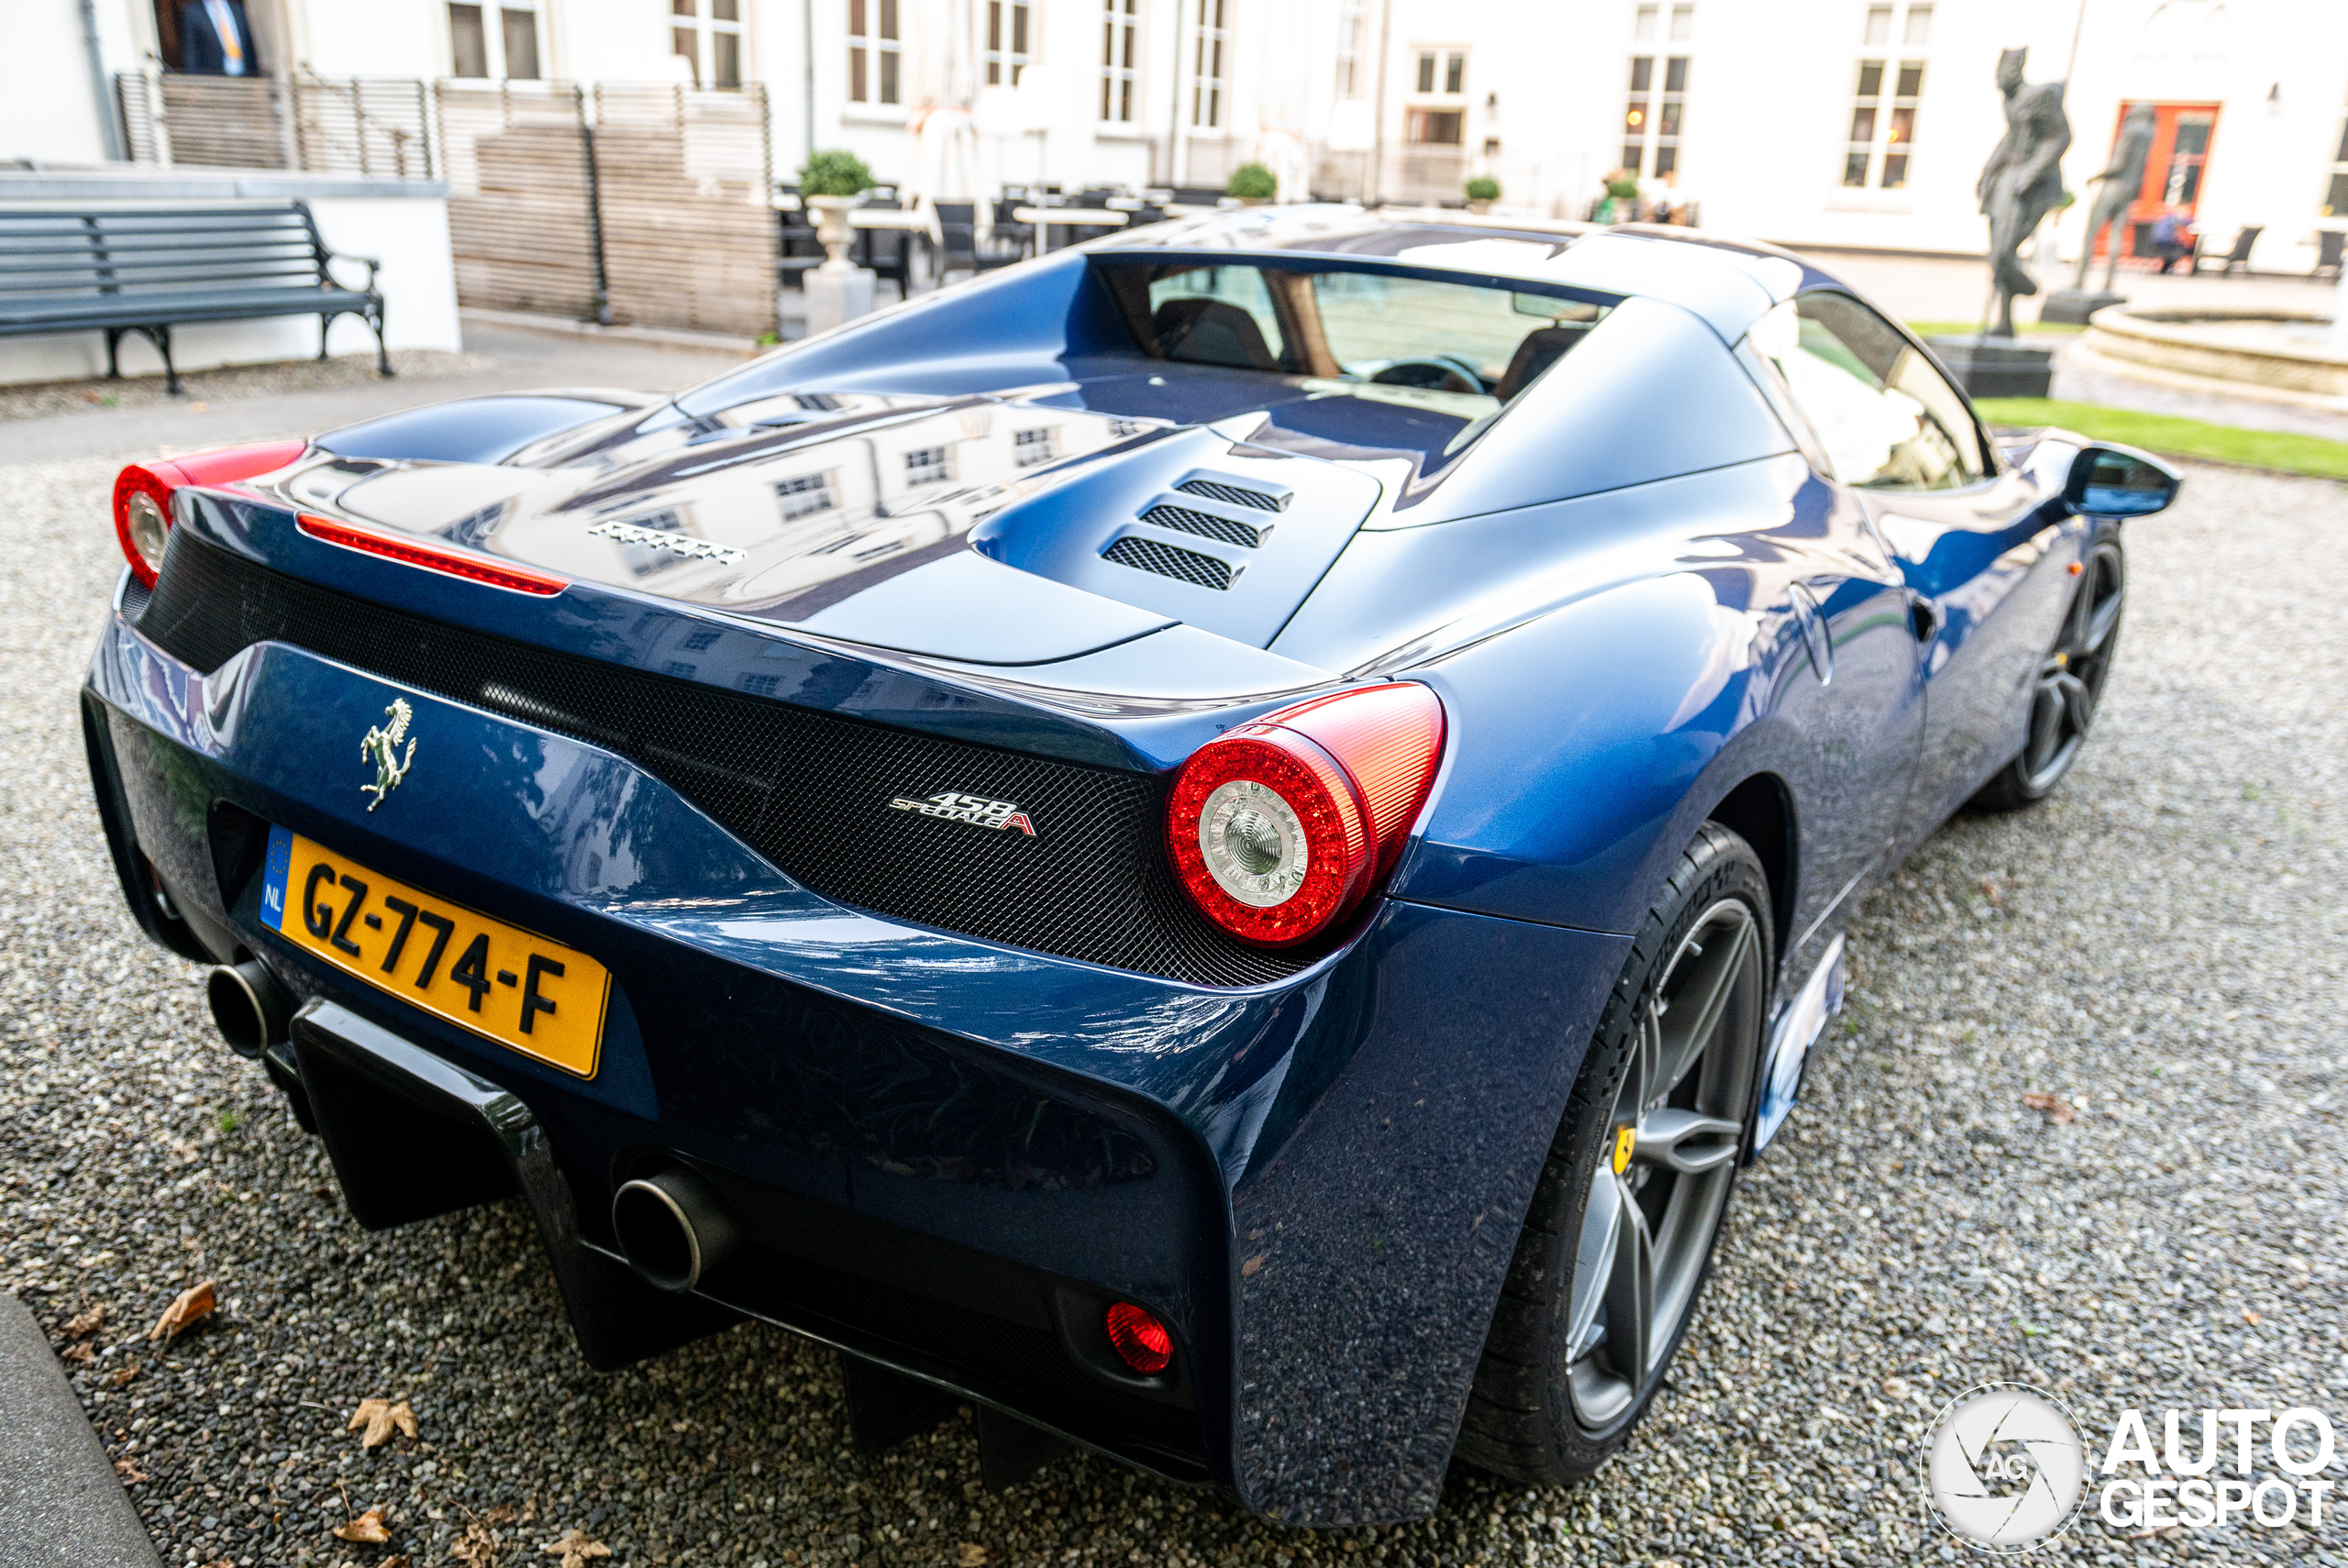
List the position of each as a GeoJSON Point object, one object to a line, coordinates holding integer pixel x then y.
{"type": "Point", "coordinates": [2004, 1468]}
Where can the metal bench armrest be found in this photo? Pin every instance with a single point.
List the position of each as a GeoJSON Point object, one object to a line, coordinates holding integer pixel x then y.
{"type": "Point", "coordinates": [370, 262]}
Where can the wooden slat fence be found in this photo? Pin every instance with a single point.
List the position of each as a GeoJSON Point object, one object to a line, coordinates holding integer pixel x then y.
{"type": "Point", "coordinates": [635, 203]}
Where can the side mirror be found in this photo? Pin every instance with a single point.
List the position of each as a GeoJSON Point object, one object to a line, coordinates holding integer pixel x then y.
{"type": "Point", "coordinates": [2118, 482]}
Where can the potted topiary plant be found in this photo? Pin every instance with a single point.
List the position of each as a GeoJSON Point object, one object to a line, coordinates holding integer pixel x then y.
{"type": "Point", "coordinates": [1482, 191]}
{"type": "Point", "coordinates": [1253, 183]}
{"type": "Point", "coordinates": [1621, 198]}
{"type": "Point", "coordinates": [831, 185]}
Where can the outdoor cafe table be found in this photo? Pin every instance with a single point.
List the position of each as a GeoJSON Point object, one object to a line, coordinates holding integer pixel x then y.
{"type": "Point", "coordinates": [1046, 219]}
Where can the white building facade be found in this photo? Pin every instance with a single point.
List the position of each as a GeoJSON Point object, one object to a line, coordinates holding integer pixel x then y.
{"type": "Point", "coordinates": [1844, 123]}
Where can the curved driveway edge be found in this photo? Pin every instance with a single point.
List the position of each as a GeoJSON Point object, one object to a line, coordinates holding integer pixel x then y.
{"type": "Point", "coordinates": [61, 1505]}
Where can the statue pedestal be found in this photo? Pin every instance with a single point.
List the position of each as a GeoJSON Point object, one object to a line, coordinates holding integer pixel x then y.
{"type": "Point", "coordinates": [1997, 367]}
{"type": "Point", "coordinates": [2071, 307]}
{"type": "Point", "coordinates": [838, 297]}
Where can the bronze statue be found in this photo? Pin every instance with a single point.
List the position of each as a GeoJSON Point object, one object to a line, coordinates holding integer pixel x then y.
{"type": "Point", "coordinates": [2023, 179]}
{"type": "Point", "coordinates": [2121, 181]}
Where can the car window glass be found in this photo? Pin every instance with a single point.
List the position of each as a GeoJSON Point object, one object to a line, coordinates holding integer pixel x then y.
{"type": "Point", "coordinates": [1379, 325]}
{"type": "Point", "coordinates": [1888, 418]}
{"type": "Point", "coordinates": [1218, 316]}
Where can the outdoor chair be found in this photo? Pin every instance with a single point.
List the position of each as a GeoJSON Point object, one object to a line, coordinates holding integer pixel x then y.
{"type": "Point", "coordinates": [957, 223]}
{"type": "Point", "coordinates": [888, 253]}
{"type": "Point", "coordinates": [2244, 238]}
{"type": "Point", "coordinates": [797, 250]}
{"type": "Point", "coordinates": [1008, 231]}
{"type": "Point", "coordinates": [2330, 243]}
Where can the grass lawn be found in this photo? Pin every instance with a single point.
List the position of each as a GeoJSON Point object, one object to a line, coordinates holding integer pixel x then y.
{"type": "Point", "coordinates": [1972, 328]}
{"type": "Point", "coordinates": [2276, 449]}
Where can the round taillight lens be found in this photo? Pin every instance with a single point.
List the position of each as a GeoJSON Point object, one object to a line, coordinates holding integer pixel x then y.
{"type": "Point", "coordinates": [1279, 827]}
{"type": "Point", "coordinates": [1268, 834]}
{"type": "Point", "coordinates": [1140, 1341]}
{"type": "Point", "coordinates": [143, 520]}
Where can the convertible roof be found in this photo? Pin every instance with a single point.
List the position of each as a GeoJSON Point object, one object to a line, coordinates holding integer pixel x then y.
{"type": "Point", "coordinates": [1727, 283]}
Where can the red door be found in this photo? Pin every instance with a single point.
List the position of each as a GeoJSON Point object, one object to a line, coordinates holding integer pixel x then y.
{"type": "Point", "coordinates": [2182, 137]}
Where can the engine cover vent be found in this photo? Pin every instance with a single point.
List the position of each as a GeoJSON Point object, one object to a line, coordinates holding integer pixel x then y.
{"type": "Point", "coordinates": [1165, 560]}
{"type": "Point", "coordinates": [1233, 494]}
{"type": "Point", "coordinates": [1229, 530]}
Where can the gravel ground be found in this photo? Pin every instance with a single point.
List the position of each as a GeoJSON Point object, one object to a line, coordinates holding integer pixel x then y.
{"type": "Point", "coordinates": [35, 399]}
{"type": "Point", "coordinates": [2161, 946]}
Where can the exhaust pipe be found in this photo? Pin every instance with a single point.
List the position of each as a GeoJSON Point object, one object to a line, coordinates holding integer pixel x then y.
{"type": "Point", "coordinates": [673, 1228]}
{"type": "Point", "coordinates": [251, 1008]}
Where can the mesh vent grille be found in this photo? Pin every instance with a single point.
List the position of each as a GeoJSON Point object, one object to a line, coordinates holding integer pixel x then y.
{"type": "Point", "coordinates": [1148, 555]}
{"type": "Point", "coordinates": [811, 791]}
{"type": "Point", "coordinates": [1231, 493]}
{"type": "Point", "coordinates": [1229, 530]}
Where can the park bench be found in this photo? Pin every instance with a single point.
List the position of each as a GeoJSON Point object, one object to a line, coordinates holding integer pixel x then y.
{"type": "Point", "coordinates": [145, 270]}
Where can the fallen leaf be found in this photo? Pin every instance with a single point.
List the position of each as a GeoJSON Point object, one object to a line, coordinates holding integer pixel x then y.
{"type": "Point", "coordinates": [1991, 891]}
{"type": "Point", "coordinates": [129, 1472]}
{"type": "Point", "coordinates": [479, 1547]}
{"type": "Point", "coordinates": [194, 1303]}
{"type": "Point", "coordinates": [199, 408]}
{"type": "Point", "coordinates": [116, 1379]}
{"type": "Point", "coordinates": [379, 1417]}
{"type": "Point", "coordinates": [368, 1528]}
{"type": "Point", "coordinates": [2249, 1317]}
{"type": "Point", "coordinates": [576, 1549]}
{"type": "Point", "coordinates": [85, 1321]}
{"type": "Point", "coordinates": [970, 1554]}
{"type": "Point", "coordinates": [399, 1561]}
{"type": "Point", "coordinates": [2058, 1109]}
{"type": "Point", "coordinates": [501, 1513]}
{"type": "Point", "coordinates": [1247, 1270]}
{"type": "Point", "coordinates": [81, 1352]}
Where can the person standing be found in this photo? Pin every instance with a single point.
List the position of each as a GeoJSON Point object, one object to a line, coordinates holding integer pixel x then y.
{"type": "Point", "coordinates": [217, 38]}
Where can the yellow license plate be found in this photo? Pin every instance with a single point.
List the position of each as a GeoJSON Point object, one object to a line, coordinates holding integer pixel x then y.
{"type": "Point", "coordinates": [529, 995]}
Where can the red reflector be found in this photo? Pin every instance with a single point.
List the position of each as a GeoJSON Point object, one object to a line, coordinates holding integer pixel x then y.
{"type": "Point", "coordinates": [1140, 1340]}
{"type": "Point", "coordinates": [431, 557]}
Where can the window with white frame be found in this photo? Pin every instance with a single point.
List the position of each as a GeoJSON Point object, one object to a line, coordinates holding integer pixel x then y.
{"type": "Point", "coordinates": [1443, 71]}
{"type": "Point", "coordinates": [1120, 45]}
{"type": "Point", "coordinates": [1207, 66]}
{"type": "Point", "coordinates": [1883, 103]}
{"type": "Point", "coordinates": [1655, 113]}
{"type": "Point", "coordinates": [1350, 22]}
{"type": "Point", "coordinates": [1009, 41]}
{"type": "Point", "coordinates": [708, 35]}
{"type": "Point", "coordinates": [1649, 23]}
{"type": "Point", "coordinates": [494, 41]}
{"type": "Point", "coordinates": [875, 58]}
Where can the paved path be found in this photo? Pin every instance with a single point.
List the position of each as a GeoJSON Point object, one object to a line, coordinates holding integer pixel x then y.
{"type": "Point", "coordinates": [61, 1504]}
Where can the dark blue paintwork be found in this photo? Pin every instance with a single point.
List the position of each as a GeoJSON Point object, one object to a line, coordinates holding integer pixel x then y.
{"type": "Point", "coordinates": [1637, 594]}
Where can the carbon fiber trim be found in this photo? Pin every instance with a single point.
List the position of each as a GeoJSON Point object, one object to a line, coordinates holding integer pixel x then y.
{"type": "Point", "coordinates": [811, 791]}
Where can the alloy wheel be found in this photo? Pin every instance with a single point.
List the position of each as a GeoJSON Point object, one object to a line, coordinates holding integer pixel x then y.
{"type": "Point", "coordinates": [2070, 679]}
{"type": "Point", "coordinates": [1657, 1193]}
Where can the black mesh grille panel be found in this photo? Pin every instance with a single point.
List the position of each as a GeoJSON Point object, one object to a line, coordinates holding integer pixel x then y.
{"type": "Point", "coordinates": [1230, 492]}
{"type": "Point", "coordinates": [1229, 530]}
{"type": "Point", "coordinates": [811, 791]}
{"type": "Point", "coordinates": [1148, 555]}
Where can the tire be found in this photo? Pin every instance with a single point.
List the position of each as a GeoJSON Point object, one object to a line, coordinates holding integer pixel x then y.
{"type": "Point", "coordinates": [1551, 1402]}
{"type": "Point", "coordinates": [2069, 685]}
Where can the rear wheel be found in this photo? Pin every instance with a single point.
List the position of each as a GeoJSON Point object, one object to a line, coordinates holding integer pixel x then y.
{"type": "Point", "coordinates": [2070, 683]}
{"type": "Point", "coordinates": [1620, 1235]}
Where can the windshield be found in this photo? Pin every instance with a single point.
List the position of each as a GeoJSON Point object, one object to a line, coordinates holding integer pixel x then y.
{"type": "Point", "coordinates": [1474, 348]}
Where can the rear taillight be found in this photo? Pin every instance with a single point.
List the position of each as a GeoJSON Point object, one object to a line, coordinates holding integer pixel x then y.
{"type": "Point", "coordinates": [431, 557]}
{"type": "Point", "coordinates": [142, 494]}
{"type": "Point", "coordinates": [1279, 827]}
{"type": "Point", "coordinates": [1140, 1341]}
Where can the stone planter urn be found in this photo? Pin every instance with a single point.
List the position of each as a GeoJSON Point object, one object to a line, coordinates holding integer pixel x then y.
{"type": "Point", "coordinates": [1480, 207]}
{"type": "Point", "coordinates": [833, 230]}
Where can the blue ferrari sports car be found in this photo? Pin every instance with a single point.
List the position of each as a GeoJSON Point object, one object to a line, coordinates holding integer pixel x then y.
{"type": "Point", "coordinates": [1218, 845]}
